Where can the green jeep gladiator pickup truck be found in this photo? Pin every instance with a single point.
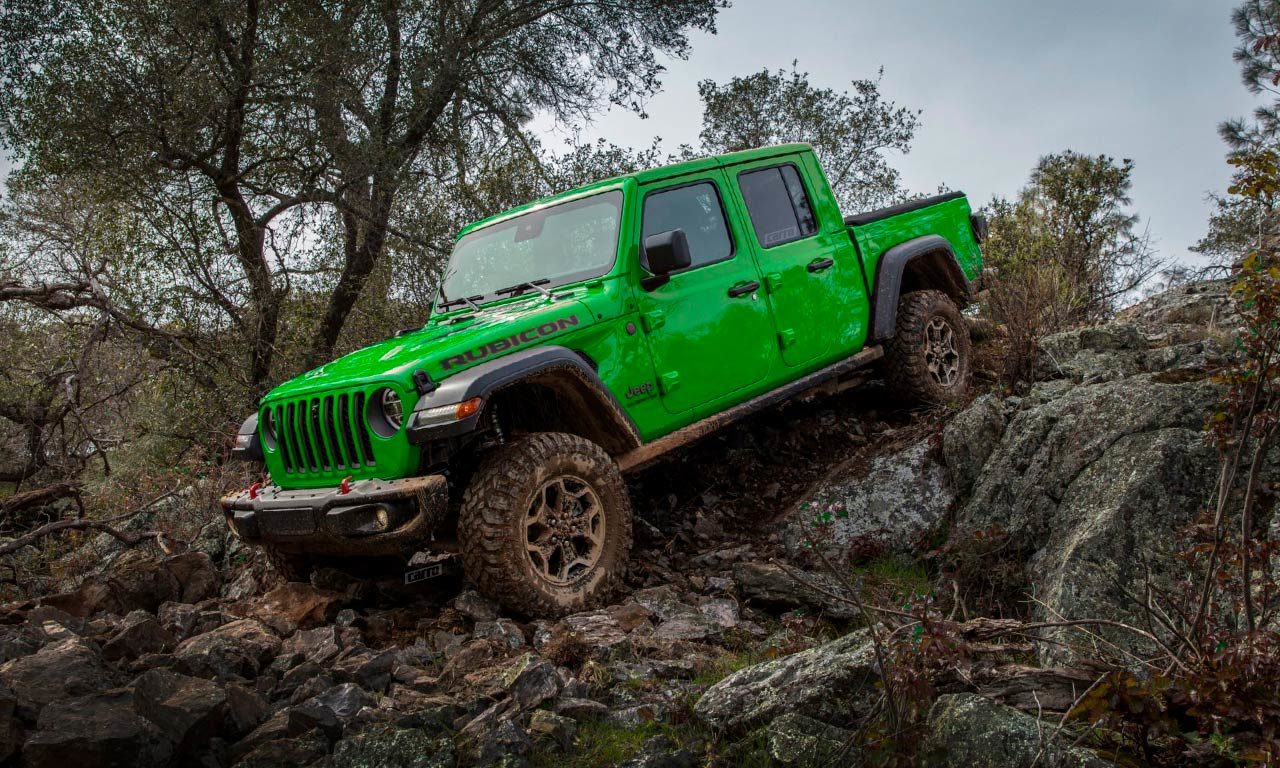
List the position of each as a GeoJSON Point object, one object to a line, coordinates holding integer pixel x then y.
{"type": "Point", "coordinates": [582, 336]}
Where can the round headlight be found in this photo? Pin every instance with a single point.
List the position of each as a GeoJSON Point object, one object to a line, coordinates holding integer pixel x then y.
{"type": "Point", "coordinates": [386, 412]}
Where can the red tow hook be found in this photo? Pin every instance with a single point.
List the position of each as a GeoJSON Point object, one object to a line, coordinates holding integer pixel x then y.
{"type": "Point", "coordinates": [345, 486]}
{"type": "Point", "coordinates": [253, 490]}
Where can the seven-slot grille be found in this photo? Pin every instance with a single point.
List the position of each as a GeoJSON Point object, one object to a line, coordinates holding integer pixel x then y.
{"type": "Point", "coordinates": [325, 433]}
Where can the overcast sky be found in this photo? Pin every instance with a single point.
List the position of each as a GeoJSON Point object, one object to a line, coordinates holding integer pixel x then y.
{"type": "Point", "coordinates": [1001, 82]}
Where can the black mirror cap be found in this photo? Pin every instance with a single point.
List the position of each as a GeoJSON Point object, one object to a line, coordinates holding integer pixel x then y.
{"type": "Point", "coordinates": [667, 252]}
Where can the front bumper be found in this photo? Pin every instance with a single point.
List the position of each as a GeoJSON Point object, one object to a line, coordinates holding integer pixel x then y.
{"type": "Point", "coordinates": [374, 517]}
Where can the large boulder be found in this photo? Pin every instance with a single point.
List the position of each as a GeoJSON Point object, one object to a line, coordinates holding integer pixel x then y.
{"type": "Point", "coordinates": [967, 731]}
{"type": "Point", "coordinates": [834, 683]}
{"type": "Point", "coordinates": [58, 671]}
{"type": "Point", "coordinates": [239, 649]}
{"type": "Point", "coordinates": [863, 509]}
{"type": "Point", "coordinates": [95, 732]}
{"type": "Point", "coordinates": [1091, 474]}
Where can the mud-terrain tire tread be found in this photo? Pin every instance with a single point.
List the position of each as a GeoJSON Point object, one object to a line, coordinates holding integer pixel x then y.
{"type": "Point", "coordinates": [495, 502]}
{"type": "Point", "coordinates": [290, 566]}
{"type": "Point", "coordinates": [905, 367]}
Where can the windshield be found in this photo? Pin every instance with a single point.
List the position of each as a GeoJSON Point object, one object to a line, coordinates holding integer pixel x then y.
{"type": "Point", "coordinates": [555, 245]}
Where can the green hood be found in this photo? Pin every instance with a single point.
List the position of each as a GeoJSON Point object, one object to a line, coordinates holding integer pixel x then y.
{"type": "Point", "coordinates": [445, 346]}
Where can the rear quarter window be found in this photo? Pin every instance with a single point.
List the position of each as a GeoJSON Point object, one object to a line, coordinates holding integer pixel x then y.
{"type": "Point", "coordinates": [777, 204]}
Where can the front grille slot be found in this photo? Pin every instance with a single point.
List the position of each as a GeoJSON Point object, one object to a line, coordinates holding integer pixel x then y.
{"type": "Point", "coordinates": [323, 433]}
{"type": "Point", "coordinates": [363, 429]}
{"type": "Point", "coordinates": [286, 454]}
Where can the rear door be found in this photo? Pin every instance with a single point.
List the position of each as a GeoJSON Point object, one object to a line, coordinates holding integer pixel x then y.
{"type": "Point", "coordinates": [798, 263]}
{"type": "Point", "coordinates": [708, 328]}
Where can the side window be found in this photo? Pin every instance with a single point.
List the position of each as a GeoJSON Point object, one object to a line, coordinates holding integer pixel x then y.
{"type": "Point", "coordinates": [697, 210]}
{"type": "Point", "coordinates": [779, 208]}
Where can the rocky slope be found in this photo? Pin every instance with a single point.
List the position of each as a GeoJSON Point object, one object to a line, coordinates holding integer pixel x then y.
{"type": "Point", "coordinates": [736, 642]}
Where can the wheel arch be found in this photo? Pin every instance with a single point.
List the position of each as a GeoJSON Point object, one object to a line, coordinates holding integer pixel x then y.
{"type": "Point", "coordinates": [549, 388]}
{"type": "Point", "coordinates": [924, 262]}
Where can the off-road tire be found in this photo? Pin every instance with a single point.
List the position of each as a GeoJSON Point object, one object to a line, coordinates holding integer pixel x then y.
{"type": "Point", "coordinates": [493, 520]}
{"type": "Point", "coordinates": [289, 565]}
{"type": "Point", "coordinates": [908, 358]}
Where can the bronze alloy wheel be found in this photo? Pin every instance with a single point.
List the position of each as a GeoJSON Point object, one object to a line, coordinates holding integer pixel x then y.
{"type": "Point", "coordinates": [927, 359]}
{"type": "Point", "coordinates": [940, 354]}
{"type": "Point", "coordinates": [545, 525]}
{"type": "Point", "coordinates": [564, 529]}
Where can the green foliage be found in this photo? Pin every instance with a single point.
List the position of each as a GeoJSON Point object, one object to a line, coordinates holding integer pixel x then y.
{"type": "Point", "coordinates": [1074, 216]}
{"type": "Point", "coordinates": [852, 132]}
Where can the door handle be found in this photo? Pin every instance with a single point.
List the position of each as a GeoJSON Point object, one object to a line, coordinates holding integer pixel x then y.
{"type": "Point", "coordinates": [817, 265]}
{"type": "Point", "coordinates": [742, 289]}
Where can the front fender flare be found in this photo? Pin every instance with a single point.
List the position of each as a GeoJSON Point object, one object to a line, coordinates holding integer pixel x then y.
{"type": "Point", "coordinates": [490, 377]}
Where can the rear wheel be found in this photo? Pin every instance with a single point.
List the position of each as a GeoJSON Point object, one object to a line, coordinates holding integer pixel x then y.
{"type": "Point", "coordinates": [929, 357]}
{"type": "Point", "coordinates": [545, 525]}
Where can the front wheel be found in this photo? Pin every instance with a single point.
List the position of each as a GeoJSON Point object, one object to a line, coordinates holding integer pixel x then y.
{"type": "Point", "coordinates": [928, 358]}
{"type": "Point", "coordinates": [545, 525]}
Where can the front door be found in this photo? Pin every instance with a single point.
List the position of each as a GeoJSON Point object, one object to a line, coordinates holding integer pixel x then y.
{"type": "Point", "coordinates": [800, 265]}
{"type": "Point", "coordinates": [708, 328]}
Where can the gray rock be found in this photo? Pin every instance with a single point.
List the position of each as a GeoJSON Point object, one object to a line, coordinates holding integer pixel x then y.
{"type": "Point", "coordinates": [887, 505]}
{"type": "Point", "coordinates": [474, 607]}
{"type": "Point", "coordinates": [369, 668]}
{"type": "Point", "coordinates": [969, 439]}
{"type": "Point", "coordinates": [393, 748]}
{"type": "Point", "coordinates": [967, 731]}
{"type": "Point", "coordinates": [239, 649]}
{"type": "Point", "coordinates": [141, 633]}
{"type": "Point", "coordinates": [530, 681]}
{"type": "Point", "coordinates": [94, 731]}
{"type": "Point", "coordinates": [832, 682]}
{"type": "Point", "coordinates": [54, 673]}
{"type": "Point", "coordinates": [246, 708]}
{"type": "Point", "coordinates": [345, 700]}
{"type": "Point", "coordinates": [660, 752]}
{"type": "Point", "coordinates": [178, 619]}
{"type": "Point", "coordinates": [582, 709]}
{"type": "Point", "coordinates": [794, 739]}
{"type": "Point", "coordinates": [10, 731]}
{"type": "Point", "coordinates": [679, 620]}
{"type": "Point", "coordinates": [553, 729]}
{"type": "Point", "coordinates": [189, 711]}
{"type": "Point", "coordinates": [503, 631]}
{"type": "Point", "coordinates": [772, 586]}
{"type": "Point", "coordinates": [492, 736]}
{"type": "Point", "coordinates": [302, 749]}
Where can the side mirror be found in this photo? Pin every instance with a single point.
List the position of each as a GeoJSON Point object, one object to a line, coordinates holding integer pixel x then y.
{"type": "Point", "coordinates": [665, 252]}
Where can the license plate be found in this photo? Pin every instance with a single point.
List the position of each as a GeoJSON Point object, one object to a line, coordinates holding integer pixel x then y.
{"type": "Point", "coordinates": [422, 574]}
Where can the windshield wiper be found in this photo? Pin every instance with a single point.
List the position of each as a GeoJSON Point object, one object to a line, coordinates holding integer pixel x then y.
{"type": "Point", "coordinates": [519, 288]}
{"type": "Point", "coordinates": [470, 301]}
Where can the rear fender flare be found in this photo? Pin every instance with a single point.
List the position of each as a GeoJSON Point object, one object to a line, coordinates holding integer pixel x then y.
{"type": "Point", "coordinates": [892, 269]}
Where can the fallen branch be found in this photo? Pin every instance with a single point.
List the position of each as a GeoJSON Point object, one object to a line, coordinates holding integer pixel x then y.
{"type": "Point", "coordinates": [81, 524]}
{"type": "Point", "coordinates": [38, 497]}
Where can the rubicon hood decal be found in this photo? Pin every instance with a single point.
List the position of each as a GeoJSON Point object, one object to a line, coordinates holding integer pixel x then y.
{"type": "Point", "coordinates": [542, 330]}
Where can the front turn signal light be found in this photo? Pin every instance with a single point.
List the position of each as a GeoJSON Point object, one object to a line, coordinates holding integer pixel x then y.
{"type": "Point", "coordinates": [467, 408]}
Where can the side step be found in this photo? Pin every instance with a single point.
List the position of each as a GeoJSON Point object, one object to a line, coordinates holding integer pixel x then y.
{"type": "Point", "coordinates": [819, 380]}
